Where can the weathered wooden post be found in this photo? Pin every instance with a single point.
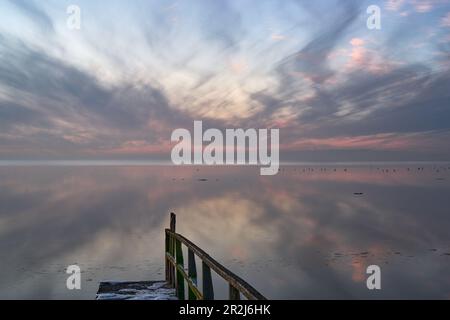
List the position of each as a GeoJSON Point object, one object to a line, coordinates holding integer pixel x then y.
{"type": "Point", "coordinates": [180, 265]}
{"type": "Point", "coordinates": [170, 248]}
{"type": "Point", "coordinates": [208, 291]}
{"type": "Point", "coordinates": [173, 221]}
{"type": "Point", "coordinates": [233, 293]}
{"type": "Point", "coordinates": [192, 273]}
{"type": "Point", "coordinates": [167, 250]}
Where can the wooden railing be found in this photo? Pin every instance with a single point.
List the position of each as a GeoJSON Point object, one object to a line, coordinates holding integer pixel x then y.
{"type": "Point", "coordinates": [177, 275]}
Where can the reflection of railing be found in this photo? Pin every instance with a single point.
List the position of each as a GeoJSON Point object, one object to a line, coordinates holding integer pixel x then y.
{"type": "Point", "coordinates": [176, 273]}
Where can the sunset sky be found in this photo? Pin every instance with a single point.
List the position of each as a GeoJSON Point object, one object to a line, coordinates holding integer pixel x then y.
{"type": "Point", "coordinates": [137, 70]}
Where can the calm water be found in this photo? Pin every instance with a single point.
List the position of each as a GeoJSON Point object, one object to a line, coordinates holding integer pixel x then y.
{"type": "Point", "coordinates": [302, 234]}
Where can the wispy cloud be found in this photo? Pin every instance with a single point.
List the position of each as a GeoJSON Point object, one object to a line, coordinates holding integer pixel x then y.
{"type": "Point", "coordinates": [312, 69]}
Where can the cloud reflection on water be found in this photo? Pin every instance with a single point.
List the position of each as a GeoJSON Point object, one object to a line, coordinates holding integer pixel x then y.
{"type": "Point", "coordinates": [300, 234]}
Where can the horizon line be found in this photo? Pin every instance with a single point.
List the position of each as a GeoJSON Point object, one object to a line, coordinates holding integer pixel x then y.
{"type": "Point", "coordinates": [111, 162]}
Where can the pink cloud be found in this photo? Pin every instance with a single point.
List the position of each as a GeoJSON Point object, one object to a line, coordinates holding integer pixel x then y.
{"type": "Point", "coordinates": [383, 141]}
{"type": "Point", "coordinates": [394, 5]}
{"type": "Point", "coordinates": [357, 42]}
{"type": "Point", "coordinates": [419, 6]}
{"type": "Point", "coordinates": [422, 6]}
{"type": "Point", "coordinates": [358, 57]}
{"type": "Point", "coordinates": [137, 147]}
{"type": "Point", "coordinates": [361, 57]}
{"type": "Point", "coordinates": [277, 37]}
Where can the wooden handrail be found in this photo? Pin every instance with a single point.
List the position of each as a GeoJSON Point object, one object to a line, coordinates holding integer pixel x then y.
{"type": "Point", "coordinates": [176, 274]}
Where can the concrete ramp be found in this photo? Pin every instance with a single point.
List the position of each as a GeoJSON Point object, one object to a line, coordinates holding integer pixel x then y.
{"type": "Point", "coordinates": [142, 290]}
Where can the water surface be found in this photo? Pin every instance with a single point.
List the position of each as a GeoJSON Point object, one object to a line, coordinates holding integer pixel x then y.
{"type": "Point", "coordinates": [309, 232]}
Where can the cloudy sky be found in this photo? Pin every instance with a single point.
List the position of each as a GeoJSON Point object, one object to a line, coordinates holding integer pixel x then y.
{"type": "Point", "coordinates": [137, 70]}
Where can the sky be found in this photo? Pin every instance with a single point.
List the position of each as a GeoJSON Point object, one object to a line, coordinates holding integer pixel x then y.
{"type": "Point", "coordinates": [137, 70]}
